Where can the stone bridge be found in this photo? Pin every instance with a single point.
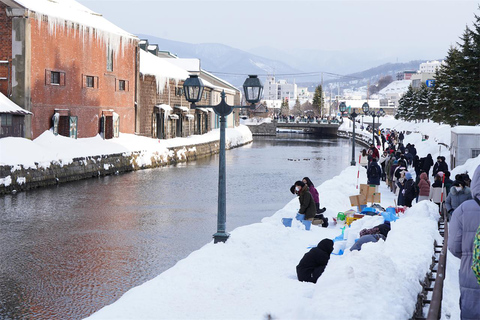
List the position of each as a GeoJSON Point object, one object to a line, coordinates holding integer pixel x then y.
{"type": "Point", "coordinates": [318, 128]}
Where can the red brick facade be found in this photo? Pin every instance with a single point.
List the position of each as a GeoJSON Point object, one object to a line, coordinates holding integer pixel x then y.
{"type": "Point", "coordinates": [81, 81]}
{"type": "Point", "coordinates": [76, 57]}
{"type": "Point", "coordinates": [5, 50]}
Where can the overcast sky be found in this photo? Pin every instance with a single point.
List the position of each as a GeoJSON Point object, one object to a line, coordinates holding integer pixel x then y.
{"type": "Point", "coordinates": [414, 29]}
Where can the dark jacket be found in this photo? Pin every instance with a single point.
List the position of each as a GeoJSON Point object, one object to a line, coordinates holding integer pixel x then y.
{"type": "Point", "coordinates": [374, 173]}
{"type": "Point", "coordinates": [461, 234]}
{"type": "Point", "coordinates": [382, 229]}
{"type": "Point", "coordinates": [307, 204]}
{"type": "Point", "coordinates": [410, 193]}
{"type": "Point", "coordinates": [313, 263]}
{"type": "Point", "coordinates": [427, 163]}
{"type": "Point", "coordinates": [439, 166]}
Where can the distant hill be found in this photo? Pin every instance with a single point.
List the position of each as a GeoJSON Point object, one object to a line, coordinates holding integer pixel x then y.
{"type": "Point", "coordinates": [222, 60]}
{"type": "Point", "coordinates": [234, 65]}
{"type": "Point", "coordinates": [369, 76]}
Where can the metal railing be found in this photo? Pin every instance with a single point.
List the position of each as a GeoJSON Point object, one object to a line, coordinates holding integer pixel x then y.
{"type": "Point", "coordinates": [435, 302]}
{"type": "Point", "coordinates": [435, 310]}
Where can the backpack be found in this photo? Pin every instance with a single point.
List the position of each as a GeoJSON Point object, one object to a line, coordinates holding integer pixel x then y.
{"type": "Point", "coordinates": [476, 255]}
{"type": "Point", "coordinates": [372, 172]}
{"type": "Point", "coordinates": [416, 190]}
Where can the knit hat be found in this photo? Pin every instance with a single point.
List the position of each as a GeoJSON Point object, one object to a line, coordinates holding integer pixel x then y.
{"type": "Point", "coordinates": [408, 175]}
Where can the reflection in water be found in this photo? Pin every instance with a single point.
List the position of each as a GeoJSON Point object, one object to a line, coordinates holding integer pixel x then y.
{"type": "Point", "coordinates": [67, 251]}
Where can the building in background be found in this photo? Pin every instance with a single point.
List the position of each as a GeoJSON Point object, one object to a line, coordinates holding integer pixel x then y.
{"type": "Point", "coordinates": [162, 111]}
{"type": "Point", "coordinates": [69, 66]}
{"type": "Point", "coordinates": [279, 90]}
{"type": "Point", "coordinates": [12, 118]}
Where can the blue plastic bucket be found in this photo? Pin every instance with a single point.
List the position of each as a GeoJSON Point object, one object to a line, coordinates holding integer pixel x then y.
{"type": "Point", "coordinates": [287, 222]}
{"type": "Point", "coordinates": [307, 224]}
{"type": "Point", "coordinates": [391, 210]}
{"type": "Point", "coordinates": [300, 217]}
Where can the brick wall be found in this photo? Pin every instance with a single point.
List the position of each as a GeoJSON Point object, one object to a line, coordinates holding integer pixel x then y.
{"type": "Point", "coordinates": [149, 98]}
{"type": "Point", "coordinates": [5, 48]}
{"type": "Point", "coordinates": [75, 57]}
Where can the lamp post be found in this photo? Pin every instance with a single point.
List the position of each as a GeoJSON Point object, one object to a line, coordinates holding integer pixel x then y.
{"type": "Point", "coordinates": [343, 108]}
{"type": "Point", "coordinates": [365, 109]}
{"type": "Point", "coordinates": [193, 88]}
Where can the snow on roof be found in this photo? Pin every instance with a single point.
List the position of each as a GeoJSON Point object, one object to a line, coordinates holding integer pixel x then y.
{"type": "Point", "coordinates": [165, 107]}
{"type": "Point", "coordinates": [162, 69]}
{"type": "Point", "coordinates": [62, 13]}
{"type": "Point", "coordinates": [185, 109]}
{"type": "Point", "coordinates": [191, 65]}
{"type": "Point", "coordinates": [152, 47]}
{"type": "Point", "coordinates": [8, 106]}
{"type": "Point", "coordinates": [466, 129]}
{"type": "Point", "coordinates": [208, 84]}
{"type": "Point", "coordinates": [399, 86]}
{"type": "Point", "coordinates": [227, 84]}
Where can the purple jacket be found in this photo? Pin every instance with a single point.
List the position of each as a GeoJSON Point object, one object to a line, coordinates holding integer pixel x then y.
{"type": "Point", "coordinates": [314, 194]}
{"type": "Point", "coordinates": [463, 226]}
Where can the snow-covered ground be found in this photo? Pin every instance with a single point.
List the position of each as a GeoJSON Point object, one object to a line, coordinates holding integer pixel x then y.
{"type": "Point", "coordinates": [48, 147]}
{"type": "Point", "coordinates": [253, 275]}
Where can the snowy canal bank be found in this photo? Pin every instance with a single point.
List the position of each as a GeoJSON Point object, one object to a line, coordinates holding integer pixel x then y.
{"type": "Point", "coordinates": [253, 273]}
{"type": "Point", "coordinates": [49, 159]}
{"type": "Point", "coordinates": [253, 276]}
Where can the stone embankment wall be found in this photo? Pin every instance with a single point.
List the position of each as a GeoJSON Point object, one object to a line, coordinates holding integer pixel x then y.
{"type": "Point", "coordinates": [264, 129]}
{"type": "Point", "coordinates": [21, 179]}
{"type": "Point", "coordinates": [360, 139]}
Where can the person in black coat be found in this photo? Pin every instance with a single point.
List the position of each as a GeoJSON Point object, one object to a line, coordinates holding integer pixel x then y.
{"type": "Point", "coordinates": [374, 172]}
{"type": "Point", "coordinates": [313, 263]}
{"type": "Point", "coordinates": [427, 163]}
{"type": "Point", "coordinates": [440, 165]}
{"type": "Point", "coordinates": [410, 190]}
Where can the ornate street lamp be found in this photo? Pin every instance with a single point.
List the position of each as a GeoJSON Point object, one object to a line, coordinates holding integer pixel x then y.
{"type": "Point", "coordinates": [193, 88]}
{"type": "Point", "coordinates": [365, 108]}
{"type": "Point", "coordinates": [343, 107]}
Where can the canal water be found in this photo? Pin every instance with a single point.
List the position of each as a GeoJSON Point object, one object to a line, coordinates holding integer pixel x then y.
{"type": "Point", "coordinates": [67, 251]}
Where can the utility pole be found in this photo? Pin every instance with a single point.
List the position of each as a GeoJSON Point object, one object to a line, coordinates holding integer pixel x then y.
{"type": "Point", "coordinates": [321, 99]}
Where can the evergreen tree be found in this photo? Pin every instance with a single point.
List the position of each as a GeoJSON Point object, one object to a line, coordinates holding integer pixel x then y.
{"type": "Point", "coordinates": [455, 98]}
{"type": "Point", "coordinates": [447, 82]}
{"type": "Point", "coordinates": [318, 102]}
{"type": "Point", "coordinates": [405, 105]}
{"type": "Point", "coordinates": [420, 110]}
{"type": "Point", "coordinates": [297, 108]}
{"type": "Point", "coordinates": [284, 109]}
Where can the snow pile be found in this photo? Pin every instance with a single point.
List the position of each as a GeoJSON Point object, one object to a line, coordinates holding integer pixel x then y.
{"type": "Point", "coordinates": [48, 148]}
{"type": "Point", "coordinates": [253, 274]}
{"type": "Point", "coordinates": [255, 121]}
{"type": "Point", "coordinates": [161, 69]}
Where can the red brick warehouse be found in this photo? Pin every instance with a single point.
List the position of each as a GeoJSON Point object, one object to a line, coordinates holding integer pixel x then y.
{"type": "Point", "coordinates": [67, 60]}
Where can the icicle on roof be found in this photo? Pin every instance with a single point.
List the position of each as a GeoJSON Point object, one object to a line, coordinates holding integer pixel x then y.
{"type": "Point", "coordinates": [162, 69]}
{"type": "Point", "coordinates": [66, 13]}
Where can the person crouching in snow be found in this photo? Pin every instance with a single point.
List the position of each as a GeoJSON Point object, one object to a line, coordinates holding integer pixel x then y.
{"type": "Point", "coordinates": [307, 204]}
{"type": "Point", "coordinates": [313, 263]}
{"type": "Point", "coordinates": [314, 193]}
{"type": "Point", "coordinates": [372, 235]}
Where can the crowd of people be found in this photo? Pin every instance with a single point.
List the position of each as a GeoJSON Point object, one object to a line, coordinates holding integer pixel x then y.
{"type": "Point", "coordinates": [459, 197]}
